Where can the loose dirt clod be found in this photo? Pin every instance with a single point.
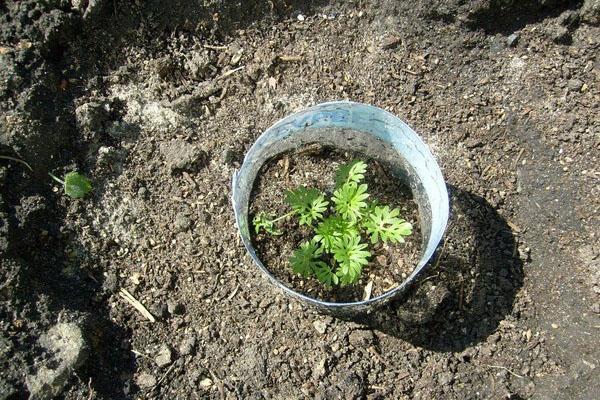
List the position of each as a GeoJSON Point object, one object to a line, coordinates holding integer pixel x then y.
{"type": "Point", "coordinates": [67, 351]}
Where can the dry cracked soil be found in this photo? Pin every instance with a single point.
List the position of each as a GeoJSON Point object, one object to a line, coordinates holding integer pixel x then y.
{"type": "Point", "coordinates": [157, 103]}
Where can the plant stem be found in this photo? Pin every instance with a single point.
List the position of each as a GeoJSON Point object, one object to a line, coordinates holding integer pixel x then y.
{"type": "Point", "coordinates": [17, 160]}
{"type": "Point", "coordinates": [282, 217]}
{"type": "Point", "coordinates": [56, 179]}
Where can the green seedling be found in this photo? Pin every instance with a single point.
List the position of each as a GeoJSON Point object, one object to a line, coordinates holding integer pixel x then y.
{"type": "Point", "coordinates": [337, 252]}
{"type": "Point", "coordinates": [74, 184]}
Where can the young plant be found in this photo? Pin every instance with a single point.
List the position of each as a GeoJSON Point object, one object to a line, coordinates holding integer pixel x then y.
{"type": "Point", "coordinates": [337, 252]}
{"type": "Point", "coordinates": [74, 184]}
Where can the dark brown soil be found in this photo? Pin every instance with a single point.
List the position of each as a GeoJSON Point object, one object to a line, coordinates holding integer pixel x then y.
{"type": "Point", "coordinates": [158, 101]}
{"type": "Point", "coordinates": [313, 166]}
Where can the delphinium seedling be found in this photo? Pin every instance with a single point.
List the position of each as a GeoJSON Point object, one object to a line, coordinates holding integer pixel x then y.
{"type": "Point", "coordinates": [338, 251]}
{"type": "Point", "coordinates": [75, 185]}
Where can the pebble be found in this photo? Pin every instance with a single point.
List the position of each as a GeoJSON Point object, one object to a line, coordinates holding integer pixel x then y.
{"type": "Point", "coordinates": [390, 42]}
{"type": "Point", "coordinates": [187, 345]}
{"type": "Point", "coordinates": [206, 383]}
{"type": "Point", "coordinates": [182, 222]}
{"type": "Point", "coordinates": [164, 357]}
{"type": "Point", "coordinates": [361, 338]}
{"type": "Point", "coordinates": [574, 85]}
{"type": "Point", "coordinates": [320, 326]}
{"type": "Point", "coordinates": [473, 142]}
{"type": "Point", "coordinates": [158, 310]}
{"type": "Point", "coordinates": [145, 380]}
{"type": "Point", "coordinates": [320, 368]}
{"type": "Point", "coordinates": [227, 156]}
{"type": "Point", "coordinates": [175, 307]}
{"type": "Point", "coordinates": [512, 40]}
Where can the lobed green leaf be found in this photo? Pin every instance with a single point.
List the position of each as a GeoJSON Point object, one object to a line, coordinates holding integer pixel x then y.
{"type": "Point", "coordinates": [353, 171]}
{"type": "Point", "coordinates": [308, 204]}
{"type": "Point", "coordinates": [385, 225]}
{"type": "Point", "coordinates": [350, 201]}
{"type": "Point", "coordinates": [305, 260]}
{"type": "Point", "coordinates": [265, 222]}
{"type": "Point", "coordinates": [351, 256]}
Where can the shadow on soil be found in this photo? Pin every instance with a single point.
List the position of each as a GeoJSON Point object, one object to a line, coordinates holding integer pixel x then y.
{"type": "Point", "coordinates": [507, 16]}
{"type": "Point", "coordinates": [51, 285]}
{"type": "Point", "coordinates": [471, 287]}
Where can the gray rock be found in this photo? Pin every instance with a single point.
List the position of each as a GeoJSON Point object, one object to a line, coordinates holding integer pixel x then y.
{"type": "Point", "coordinates": [159, 310]}
{"type": "Point", "coordinates": [187, 346]}
{"type": "Point", "coordinates": [110, 282]}
{"type": "Point", "coordinates": [227, 156]}
{"type": "Point", "coordinates": [574, 85]}
{"type": "Point", "coordinates": [445, 378]}
{"type": "Point", "coordinates": [67, 347]}
{"type": "Point", "coordinates": [361, 338]}
{"type": "Point", "coordinates": [320, 368]}
{"type": "Point", "coordinates": [189, 102]}
{"type": "Point", "coordinates": [175, 308]}
{"type": "Point", "coordinates": [590, 12]}
{"type": "Point", "coordinates": [559, 34]}
{"type": "Point", "coordinates": [471, 143]}
{"type": "Point", "coordinates": [182, 222]}
{"type": "Point", "coordinates": [320, 326]}
{"type": "Point", "coordinates": [596, 308]}
{"type": "Point", "coordinates": [145, 380]}
{"type": "Point", "coordinates": [181, 155]}
{"type": "Point", "coordinates": [164, 356]}
{"type": "Point", "coordinates": [198, 65]}
{"type": "Point", "coordinates": [512, 40]}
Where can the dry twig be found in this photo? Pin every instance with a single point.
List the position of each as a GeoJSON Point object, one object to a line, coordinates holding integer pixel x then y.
{"type": "Point", "coordinates": [124, 293]}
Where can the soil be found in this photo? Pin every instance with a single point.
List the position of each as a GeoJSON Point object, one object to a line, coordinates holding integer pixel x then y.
{"type": "Point", "coordinates": [315, 167]}
{"type": "Point", "coordinates": [157, 102]}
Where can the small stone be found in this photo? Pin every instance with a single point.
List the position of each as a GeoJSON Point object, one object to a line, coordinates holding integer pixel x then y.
{"type": "Point", "coordinates": [381, 260]}
{"type": "Point", "coordinates": [159, 310]}
{"type": "Point", "coordinates": [164, 356]}
{"type": "Point", "coordinates": [574, 85]}
{"type": "Point", "coordinates": [596, 308]}
{"type": "Point", "coordinates": [445, 378]}
{"type": "Point", "coordinates": [361, 338]}
{"type": "Point", "coordinates": [145, 380]}
{"type": "Point", "coordinates": [559, 34]}
{"type": "Point", "coordinates": [320, 368]}
{"type": "Point", "coordinates": [187, 345]}
{"type": "Point", "coordinates": [182, 223]}
{"type": "Point", "coordinates": [390, 42]}
{"type": "Point", "coordinates": [472, 142]}
{"type": "Point", "coordinates": [301, 17]}
{"type": "Point", "coordinates": [181, 155]}
{"type": "Point", "coordinates": [554, 326]}
{"type": "Point", "coordinates": [512, 40]}
{"type": "Point", "coordinates": [206, 383]}
{"type": "Point", "coordinates": [320, 326]}
{"type": "Point", "coordinates": [175, 308]}
{"type": "Point", "coordinates": [67, 348]}
{"type": "Point", "coordinates": [227, 157]}
{"type": "Point", "coordinates": [110, 282]}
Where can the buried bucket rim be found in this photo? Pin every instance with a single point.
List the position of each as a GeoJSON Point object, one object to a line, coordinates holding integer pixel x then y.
{"type": "Point", "coordinates": [372, 124]}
